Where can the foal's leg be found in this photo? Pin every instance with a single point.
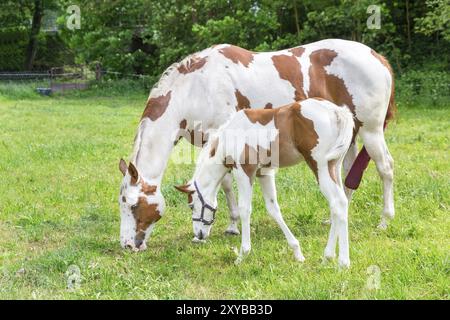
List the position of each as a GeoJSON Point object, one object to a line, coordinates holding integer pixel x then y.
{"type": "Point", "coordinates": [245, 190]}
{"type": "Point", "coordinates": [339, 216]}
{"type": "Point", "coordinates": [270, 197]}
{"type": "Point", "coordinates": [349, 158]}
{"type": "Point", "coordinates": [227, 186]}
{"type": "Point", "coordinates": [378, 151]}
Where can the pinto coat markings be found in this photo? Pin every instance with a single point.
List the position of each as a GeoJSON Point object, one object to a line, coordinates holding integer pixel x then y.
{"type": "Point", "coordinates": [144, 214]}
{"type": "Point", "coordinates": [191, 64]}
{"type": "Point", "coordinates": [237, 54]}
{"type": "Point", "coordinates": [298, 51]}
{"type": "Point", "coordinates": [329, 86]}
{"type": "Point", "coordinates": [263, 116]}
{"type": "Point", "coordinates": [289, 69]}
{"type": "Point", "coordinates": [294, 131]}
{"type": "Point", "coordinates": [156, 106]}
{"type": "Point", "coordinates": [242, 101]}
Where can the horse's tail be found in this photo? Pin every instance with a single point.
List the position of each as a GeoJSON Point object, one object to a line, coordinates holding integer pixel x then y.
{"type": "Point", "coordinates": [345, 125]}
{"type": "Point", "coordinates": [392, 107]}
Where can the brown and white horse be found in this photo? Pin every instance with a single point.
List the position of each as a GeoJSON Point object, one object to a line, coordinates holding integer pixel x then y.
{"type": "Point", "coordinates": [209, 86]}
{"type": "Point", "coordinates": [254, 143]}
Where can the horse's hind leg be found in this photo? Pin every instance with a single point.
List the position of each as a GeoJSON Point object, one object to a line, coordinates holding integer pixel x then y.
{"type": "Point", "coordinates": [227, 186]}
{"type": "Point", "coordinates": [268, 188]}
{"type": "Point", "coordinates": [338, 204]}
{"type": "Point", "coordinates": [376, 147]}
{"type": "Point", "coordinates": [349, 159]}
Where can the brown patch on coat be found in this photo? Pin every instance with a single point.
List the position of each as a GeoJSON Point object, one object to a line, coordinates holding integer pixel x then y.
{"type": "Point", "coordinates": [289, 69]}
{"type": "Point", "coordinates": [263, 116]}
{"type": "Point", "coordinates": [306, 137]}
{"type": "Point", "coordinates": [328, 86]}
{"type": "Point", "coordinates": [297, 51]}
{"type": "Point", "coordinates": [148, 189]}
{"type": "Point", "coordinates": [192, 64]}
{"type": "Point", "coordinates": [392, 108]}
{"type": "Point", "coordinates": [229, 162]}
{"type": "Point", "coordinates": [251, 159]}
{"type": "Point", "coordinates": [237, 54]}
{"type": "Point", "coordinates": [249, 162]}
{"type": "Point", "coordinates": [332, 170]}
{"type": "Point", "coordinates": [194, 137]}
{"type": "Point", "coordinates": [156, 106]}
{"type": "Point", "coordinates": [214, 144]}
{"type": "Point", "coordinates": [268, 106]}
{"type": "Point", "coordinates": [242, 101]}
{"type": "Point", "coordinates": [145, 214]}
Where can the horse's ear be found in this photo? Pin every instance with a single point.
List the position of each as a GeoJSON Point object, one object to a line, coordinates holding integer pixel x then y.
{"type": "Point", "coordinates": [123, 166]}
{"type": "Point", "coordinates": [133, 173]}
{"type": "Point", "coordinates": [185, 188]}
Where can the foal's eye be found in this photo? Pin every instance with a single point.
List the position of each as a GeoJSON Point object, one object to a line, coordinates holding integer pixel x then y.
{"type": "Point", "coordinates": [134, 206]}
{"type": "Point", "coordinates": [191, 205]}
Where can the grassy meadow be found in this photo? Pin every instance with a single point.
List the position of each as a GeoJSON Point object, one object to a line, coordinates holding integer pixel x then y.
{"type": "Point", "coordinates": [59, 182]}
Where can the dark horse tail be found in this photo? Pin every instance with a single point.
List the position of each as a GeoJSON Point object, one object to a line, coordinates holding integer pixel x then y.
{"type": "Point", "coordinates": [361, 162]}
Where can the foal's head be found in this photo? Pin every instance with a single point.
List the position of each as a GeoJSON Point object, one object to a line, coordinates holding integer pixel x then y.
{"type": "Point", "coordinates": [203, 212]}
{"type": "Point", "coordinates": [141, 206]}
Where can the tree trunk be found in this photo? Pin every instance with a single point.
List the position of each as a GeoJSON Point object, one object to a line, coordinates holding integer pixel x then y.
{"type": "Point", "coordinates": [297, 24]}
{"type": "Point", "coordinates": [408, 25]}
{"type": "Point", "coordinates": [35, 28]}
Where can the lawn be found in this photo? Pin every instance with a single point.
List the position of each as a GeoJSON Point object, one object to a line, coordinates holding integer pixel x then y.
{"type": "Point", "coordinates": [59, 182]}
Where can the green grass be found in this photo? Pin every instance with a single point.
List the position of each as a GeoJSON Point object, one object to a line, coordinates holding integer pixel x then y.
{"type": "Point", "coordinates": [59, 182]}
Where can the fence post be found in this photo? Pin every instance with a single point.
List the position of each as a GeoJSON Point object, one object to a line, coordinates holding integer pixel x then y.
{"type": "Point", "coordinates": [98, 71]}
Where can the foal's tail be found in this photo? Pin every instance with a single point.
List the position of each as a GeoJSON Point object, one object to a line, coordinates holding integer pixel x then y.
{"type": "Point", "coordinates": [345, 125]}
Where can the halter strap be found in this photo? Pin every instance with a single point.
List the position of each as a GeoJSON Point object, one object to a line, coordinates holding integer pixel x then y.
{"type": "Point", "coordinates": [204, 205]}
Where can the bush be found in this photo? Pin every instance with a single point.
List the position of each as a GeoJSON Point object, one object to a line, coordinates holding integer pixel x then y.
{"type": "Point", "coordinates": [430, 88]}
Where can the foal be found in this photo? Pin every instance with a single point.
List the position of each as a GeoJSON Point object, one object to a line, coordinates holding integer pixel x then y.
{"type": "Point", "coordinates": [253, 143]}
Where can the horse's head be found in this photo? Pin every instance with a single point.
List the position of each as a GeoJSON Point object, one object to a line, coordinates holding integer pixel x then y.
{"type": "Point", "coordinates": [141, 206]}
{"type": "Point", "coordinates": [203, 213]}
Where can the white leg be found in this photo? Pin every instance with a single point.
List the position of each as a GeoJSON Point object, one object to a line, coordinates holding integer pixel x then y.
{"type": "Point", "coordinates": [270, 197]}
{"type": "Point", "coordinates": [245, 190]}
{"type": "Point", "coordinates": [227, 186]}
{"type": "Point", "coordinates": [339, 216]}
{"type": "Point", "coordinates": [349, 158]}
{"type": "Point", "coordinates": [378, 151]}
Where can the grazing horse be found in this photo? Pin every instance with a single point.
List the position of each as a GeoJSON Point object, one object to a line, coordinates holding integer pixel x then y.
{"type": "Point", "coordinates": [254, 142]}
{"type": "Point", "coordinates": [200, 93]}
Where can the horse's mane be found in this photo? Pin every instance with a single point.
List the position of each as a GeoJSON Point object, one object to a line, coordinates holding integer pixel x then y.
{"type": "Point", "coordinates": [166, 78]}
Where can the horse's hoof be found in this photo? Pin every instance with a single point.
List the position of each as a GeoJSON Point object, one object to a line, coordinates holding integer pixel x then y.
{"type": "Point", "coordinates": [382, 226]}
{"type": "Point", "coordinates": [232, 231]}
{"type": "Point", "coordinates": [197, 240]}
{"type": "Point", "coordinates": [344, 264]}
{"type": "Point", "coordinates": [238, 260]}
{"type": "Point", "coordinates": [299, 257]}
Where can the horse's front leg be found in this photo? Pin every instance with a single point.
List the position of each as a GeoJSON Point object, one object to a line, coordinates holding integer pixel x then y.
{"type": "Point", "coordinates": [227, 186]}
{"type": "Point", "coordinates": [245, 189]}
{"type": "Point", "coordinates": [268, 188]}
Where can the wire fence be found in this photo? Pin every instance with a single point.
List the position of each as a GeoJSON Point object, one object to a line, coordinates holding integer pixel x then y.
{"type": "Point", "coordinates": [67, 78]}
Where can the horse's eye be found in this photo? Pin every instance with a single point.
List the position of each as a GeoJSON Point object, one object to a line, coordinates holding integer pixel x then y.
{"type": "Point", "coordinates": [191, 205]}
{"type": "Point", "coordinates": [134, 206]}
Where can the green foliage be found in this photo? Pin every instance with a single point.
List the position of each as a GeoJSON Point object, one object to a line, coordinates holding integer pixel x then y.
{"type": "Point", "coordinates": [430, 88]}
{"type": "Point", "coordinates": [436, 20]}
{"type": "Point", "coordinates": [13, 41]}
